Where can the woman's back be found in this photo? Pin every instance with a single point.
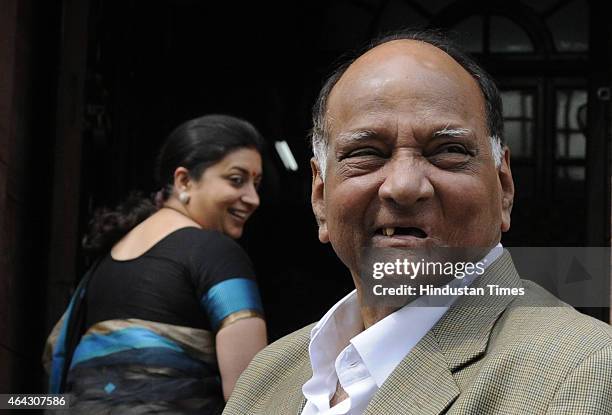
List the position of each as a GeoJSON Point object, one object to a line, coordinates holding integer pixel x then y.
{"type": "Point", "coordinates": [139, 335]}
{"type": "Point", "coordinates": [149, 327]}
{"type": "Point", "coordinates": [157, 285]}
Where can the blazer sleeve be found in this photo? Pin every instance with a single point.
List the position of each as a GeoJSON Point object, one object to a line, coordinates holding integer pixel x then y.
{"type": "Point", "coordinates": [588, 389]}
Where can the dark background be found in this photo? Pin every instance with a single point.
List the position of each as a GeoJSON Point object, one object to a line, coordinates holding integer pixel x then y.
{"type": "Point", "coordinates": [90, 88]}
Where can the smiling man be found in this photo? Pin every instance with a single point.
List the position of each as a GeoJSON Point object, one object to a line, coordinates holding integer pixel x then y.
{"type": "Point", "coordinates": [409, 155]}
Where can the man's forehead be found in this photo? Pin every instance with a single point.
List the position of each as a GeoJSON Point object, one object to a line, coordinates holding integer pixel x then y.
{"type": "Point", "coordinates": [403, 56]}
{"type": "Point", "coordinates": [404, 69]}
{"type": "Point", "coordinates": [417, 49]}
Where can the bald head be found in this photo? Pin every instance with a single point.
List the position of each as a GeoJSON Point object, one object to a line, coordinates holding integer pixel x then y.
{"type": "Point", "coordinates": [412, 55]}
{"type": "Point", "coordinates": [401, 70]}
{"type": "Point", "coordinates": [395, 56]}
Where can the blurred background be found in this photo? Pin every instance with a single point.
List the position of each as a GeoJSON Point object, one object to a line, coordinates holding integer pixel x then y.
{"type": "Point", "coordinates": [90, 88]}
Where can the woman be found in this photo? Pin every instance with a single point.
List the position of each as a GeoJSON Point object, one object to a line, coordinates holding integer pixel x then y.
{"type": "Point", "coordinates": [171, 314]}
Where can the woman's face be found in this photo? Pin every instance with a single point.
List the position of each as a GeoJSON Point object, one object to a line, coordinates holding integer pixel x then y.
{"type": "Point", "coordinates": [225, 196]}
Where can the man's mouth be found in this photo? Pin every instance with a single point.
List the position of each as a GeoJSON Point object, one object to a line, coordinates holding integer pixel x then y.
{"type": "Point", "coordinates": [402, 231]}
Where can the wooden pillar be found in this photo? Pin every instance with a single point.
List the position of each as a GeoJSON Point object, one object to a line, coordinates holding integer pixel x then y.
{"type": "Point", "coordinates": [27, 81]}
{"type": "Point", "coordinates": [8, 20]}
{"type": "Point", "coordinates": [64, 219]}
{"type": "Point", "coordinates": [29, 48]}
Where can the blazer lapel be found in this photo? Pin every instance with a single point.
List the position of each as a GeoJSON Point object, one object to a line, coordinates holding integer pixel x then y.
{"type": "Point", "coordinates": [463, 332]}
{"type": "Point", "coordinates": [424, 382]}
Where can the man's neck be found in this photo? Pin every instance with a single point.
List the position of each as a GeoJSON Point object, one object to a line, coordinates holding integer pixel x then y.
{"type": "Point", "coordinates": [372, 315]}
{"type": "Point", "coordinates": [339, 395]}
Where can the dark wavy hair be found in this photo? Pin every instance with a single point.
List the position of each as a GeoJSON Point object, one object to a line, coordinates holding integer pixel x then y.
{"type": "Point", "coordinates": [196, 145]}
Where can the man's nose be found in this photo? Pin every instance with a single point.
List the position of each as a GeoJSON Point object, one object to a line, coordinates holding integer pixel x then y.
{"type": "Point", "coordinates": [406, 183]}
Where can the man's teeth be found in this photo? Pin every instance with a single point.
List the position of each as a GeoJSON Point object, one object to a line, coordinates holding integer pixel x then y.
{"type": "Point", "coordinates": [388, 231]}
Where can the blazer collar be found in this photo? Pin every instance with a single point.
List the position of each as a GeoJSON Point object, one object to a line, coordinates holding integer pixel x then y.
{"type": "Point", "coordinates": [463, 332]}
{"type": "Point", "coordinates": [424, 383]}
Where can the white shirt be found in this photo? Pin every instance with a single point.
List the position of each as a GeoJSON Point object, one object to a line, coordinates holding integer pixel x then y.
{"type": "Point", "coordinates": [361, 360]}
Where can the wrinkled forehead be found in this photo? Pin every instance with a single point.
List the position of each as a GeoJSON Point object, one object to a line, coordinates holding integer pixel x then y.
{"type": "Point", "coordinates": [405, 70]}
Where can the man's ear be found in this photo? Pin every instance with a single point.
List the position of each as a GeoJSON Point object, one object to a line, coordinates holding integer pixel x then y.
{"type": "Point", "coordinates": [507, 187]}
{"type": "Point", "coordinates": [317, 199]}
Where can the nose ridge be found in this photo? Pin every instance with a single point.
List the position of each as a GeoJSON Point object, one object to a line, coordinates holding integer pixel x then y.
{"type": "Point", "coordinates": [406, 183]}
{"type": "Point", "coordinates": [251, 197]}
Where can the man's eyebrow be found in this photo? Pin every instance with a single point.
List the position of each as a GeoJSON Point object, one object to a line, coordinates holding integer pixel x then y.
{"type": "Point", "coordinates": [356, 135]}
{"type": "Point", "coordinates": [452, 132]}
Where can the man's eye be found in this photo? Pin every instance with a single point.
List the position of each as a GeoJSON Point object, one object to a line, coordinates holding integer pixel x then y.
{"type": "Point", "coordinates": [450, 156]}
{"type": "Point", "coordinates": [363, 152]}
{"type": "Point", "coordinates": [454, 149]}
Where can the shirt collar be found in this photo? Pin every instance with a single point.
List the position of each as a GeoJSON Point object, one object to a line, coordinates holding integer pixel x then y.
{"type": "Point", "coordinates": [399, 332]}
{"type": "Point", "coordinates": [327, 339]}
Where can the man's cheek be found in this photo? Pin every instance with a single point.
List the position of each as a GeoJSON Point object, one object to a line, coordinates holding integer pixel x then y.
{"type": "Point", "coordinates": [344, 237]}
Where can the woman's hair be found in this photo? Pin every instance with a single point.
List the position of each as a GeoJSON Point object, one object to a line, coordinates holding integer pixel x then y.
{"type": "Point", "coordinates": [196, 145]}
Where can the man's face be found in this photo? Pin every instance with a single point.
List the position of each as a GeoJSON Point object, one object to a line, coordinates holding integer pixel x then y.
{"type": "Point", "coordinates": [409, 162]}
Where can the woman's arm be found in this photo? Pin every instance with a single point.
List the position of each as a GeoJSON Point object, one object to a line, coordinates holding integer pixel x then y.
{"type": "Point", "coordinates": [236, 345]}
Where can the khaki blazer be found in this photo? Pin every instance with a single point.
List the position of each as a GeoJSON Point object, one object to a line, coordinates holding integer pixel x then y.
{"type": "Point", "coordinates": [529, 354]}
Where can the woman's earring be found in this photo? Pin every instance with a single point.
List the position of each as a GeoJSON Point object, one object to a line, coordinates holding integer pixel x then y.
{"type": "Point", "coordinates": [184, 197]}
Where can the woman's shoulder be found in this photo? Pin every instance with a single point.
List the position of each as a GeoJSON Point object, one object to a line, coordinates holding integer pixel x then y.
{"type": "Point", "coordinates": [203, 243]}
{"type": "Point", "coordinates": [194, 234]}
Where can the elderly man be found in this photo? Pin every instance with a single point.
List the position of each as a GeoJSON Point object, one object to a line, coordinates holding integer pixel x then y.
{"type": "Point", "coordinates": [409, 154]}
